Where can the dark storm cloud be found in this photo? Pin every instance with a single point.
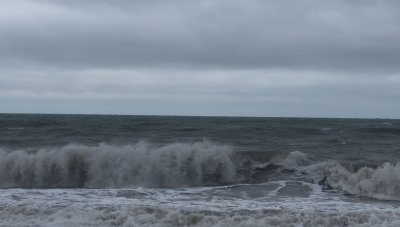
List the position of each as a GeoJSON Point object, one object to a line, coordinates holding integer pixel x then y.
{"type": "Point", "coordinates": [305, 34]}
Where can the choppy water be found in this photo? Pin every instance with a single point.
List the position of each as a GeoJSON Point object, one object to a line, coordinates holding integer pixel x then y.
{"type": "Point", "coordinates": [90, 170]}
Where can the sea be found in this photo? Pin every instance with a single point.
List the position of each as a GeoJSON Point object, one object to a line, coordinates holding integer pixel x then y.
{"type": "Point", "coordinates": [115, 170]}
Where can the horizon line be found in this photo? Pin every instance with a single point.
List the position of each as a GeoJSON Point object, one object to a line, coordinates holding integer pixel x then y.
{"type": "Point", "coordinates": [211, 116]}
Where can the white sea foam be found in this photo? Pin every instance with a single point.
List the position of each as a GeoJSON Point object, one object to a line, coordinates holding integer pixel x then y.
{"type": "Point", "coordinates": [183, 207]}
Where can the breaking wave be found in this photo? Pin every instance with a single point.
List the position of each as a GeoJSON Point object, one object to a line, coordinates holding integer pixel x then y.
{"type": "Point", "coordinates": [380, 183]}
{"type": "Point", "coordinates": [184, 164]}
{"type": "Point", "coordinates": [141, 164]}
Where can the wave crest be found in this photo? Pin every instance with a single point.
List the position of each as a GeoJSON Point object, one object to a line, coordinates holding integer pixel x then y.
{"type": "Point", "coordinates": [141, 164]}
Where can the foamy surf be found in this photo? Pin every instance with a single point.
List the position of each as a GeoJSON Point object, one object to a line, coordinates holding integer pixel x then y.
{"type": "Point", "coordinates": [236, 205]}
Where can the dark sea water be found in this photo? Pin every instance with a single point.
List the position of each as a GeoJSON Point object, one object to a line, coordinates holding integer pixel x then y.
{"type": "Point", "coordinates": [103, 170]}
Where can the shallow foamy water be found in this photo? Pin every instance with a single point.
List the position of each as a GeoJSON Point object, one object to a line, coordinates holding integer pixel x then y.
{"type": "Point", "coordinates": [276, 203]}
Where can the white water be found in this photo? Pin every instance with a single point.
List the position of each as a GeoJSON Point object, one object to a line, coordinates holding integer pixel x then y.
{"type": "Point", "coordinates": [241, 205]}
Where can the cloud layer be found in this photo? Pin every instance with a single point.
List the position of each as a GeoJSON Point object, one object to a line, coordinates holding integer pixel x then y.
{"type": "Point", "coordinates": [253, 57]}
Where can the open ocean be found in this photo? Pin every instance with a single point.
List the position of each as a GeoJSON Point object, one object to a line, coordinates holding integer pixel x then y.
{"type": "Point", "coordinates": [103, 170]}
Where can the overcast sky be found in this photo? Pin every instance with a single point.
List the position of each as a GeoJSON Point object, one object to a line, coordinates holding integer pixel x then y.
{"type": "Point", "coordinates": [308, 58]}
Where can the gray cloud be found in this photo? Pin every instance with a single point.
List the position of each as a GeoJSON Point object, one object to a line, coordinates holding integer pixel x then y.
{"type": "Point", "coordinates": [334, 35]}
{"type": "Point", "coordinates": [245, 57]}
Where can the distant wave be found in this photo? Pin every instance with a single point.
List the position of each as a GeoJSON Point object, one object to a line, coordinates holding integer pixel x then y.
{"type": "Point", "coordinates": [384, 130]}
